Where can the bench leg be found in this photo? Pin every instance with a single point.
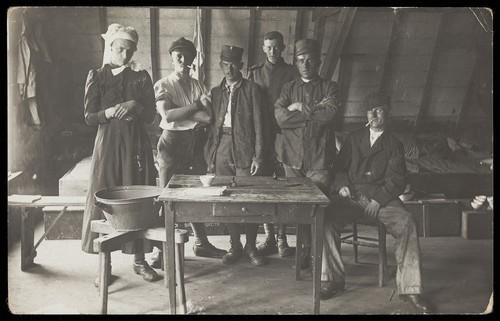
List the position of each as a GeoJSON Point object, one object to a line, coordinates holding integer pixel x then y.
{"type": "Point", "coordinates": [27, 239]}
{"type": "Point", "coordinates": [105, 262]}
{"type": "Point", "coordinates": [179, 276]}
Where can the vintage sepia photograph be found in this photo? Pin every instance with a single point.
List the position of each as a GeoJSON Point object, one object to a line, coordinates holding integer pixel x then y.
{"type": "Point", "coordinates": [249, 160]}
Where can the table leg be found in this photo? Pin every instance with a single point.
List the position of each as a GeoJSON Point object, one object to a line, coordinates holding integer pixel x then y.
{"type": "Point", "coordinates": [104, 261]}
{"type": "Point", "coordinates": [318, 216]}
{"type": "Point", "coordinates": [179, 276]}
{"type": "Point", "coordinates": [298, 250]}
{"type": "Point", "coordinates": [169, 256]}
{"type": "Point", "coordinates": [27, 239]}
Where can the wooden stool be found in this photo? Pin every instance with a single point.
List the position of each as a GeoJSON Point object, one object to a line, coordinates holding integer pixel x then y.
{"type": "Point", "coordinates": [379, 242]}
{"type": "Point", "coordinates": [114, 240]}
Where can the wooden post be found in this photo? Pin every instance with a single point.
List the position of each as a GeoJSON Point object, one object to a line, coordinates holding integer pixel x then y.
{"type": "Point", "coordinates": [337, 44]}
{"type": "Point", "coordinates": [103, 23]}
{"type": "Point", "coordinates": [254, 16]}
{"type": "Point", "coordinates": [154, 25]}
{"type": "Point", "coordinates": [298, 29]}
{"type": "Point", "coordinates": [424, 99]}
{"type": "Point", "coordinates": [206, 27]}
{"type": "Point", "coordinates": [386, 72]}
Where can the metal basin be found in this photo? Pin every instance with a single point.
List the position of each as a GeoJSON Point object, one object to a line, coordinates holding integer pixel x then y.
{"type": "Point", "coordinates": [129, 208]}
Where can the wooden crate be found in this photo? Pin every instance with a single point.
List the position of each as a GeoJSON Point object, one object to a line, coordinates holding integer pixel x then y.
{"type": "Point", "coordinates": [436, 217]}
{"type": "Point", "coordinates": [69, 226]}
{"type": "Point", "coordinates": [477, 224]}
{"type": "Point", "coordinates": [75, 182]}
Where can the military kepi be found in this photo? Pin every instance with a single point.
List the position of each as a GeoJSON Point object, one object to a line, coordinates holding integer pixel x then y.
{"type": "Point", "coordinates": [377, 100]}
{"type": "Point", "coordinates": [231, 54]}
{"type": "Point", "coordinates": [307, 46]}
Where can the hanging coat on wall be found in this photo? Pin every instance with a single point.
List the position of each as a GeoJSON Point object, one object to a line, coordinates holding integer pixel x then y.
{"type": "Point", "coordinates": [32, 48]}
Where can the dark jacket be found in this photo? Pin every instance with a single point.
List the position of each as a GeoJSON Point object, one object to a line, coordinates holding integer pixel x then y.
{"type": "Point", "coordinates": [307, 139]}
{"type": "Point", "coordinates": [271, 78]}
{"type": "Point", "coordinates": [378, 172]}
{"type": "Point", "coordinates": [246, 123]}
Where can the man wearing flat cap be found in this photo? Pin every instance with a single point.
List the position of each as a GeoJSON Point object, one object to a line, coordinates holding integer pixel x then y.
{"type": "Point", "coordinates": [271, 76]}
{"type": "Point", "coordinates": [370, 175]}
{"type": "Point", "coordinates": [305, 112]}
{"type": "Point", "coordinates": [182, 102]}
{"type": "Point", "coordinates": [235, 144]}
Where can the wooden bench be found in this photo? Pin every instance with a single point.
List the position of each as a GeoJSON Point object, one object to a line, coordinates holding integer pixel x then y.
{"type": "Point", "coordinates": [27, 203]}
{"type": "Point", "coordinates": [113, 241]}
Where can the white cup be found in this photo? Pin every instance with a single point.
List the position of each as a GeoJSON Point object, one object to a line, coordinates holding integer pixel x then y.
{"type": "Point", "coordinates": [207, 180]}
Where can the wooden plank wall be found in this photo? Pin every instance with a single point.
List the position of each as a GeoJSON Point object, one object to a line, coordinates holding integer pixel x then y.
{"type": "Point", "coordinates": [74, 39]}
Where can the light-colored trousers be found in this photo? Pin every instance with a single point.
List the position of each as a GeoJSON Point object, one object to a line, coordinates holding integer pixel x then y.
{"type": "Point", "coordinates": [398, 222]}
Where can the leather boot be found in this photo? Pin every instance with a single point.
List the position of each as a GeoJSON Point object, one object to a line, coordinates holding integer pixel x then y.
{"type": "Point", "coordinates": [283, 248]}
{"type": "Point", "coordinates": [234, 254]}
{"type": "Point", "coordinates": [204, 248]}
{"type": "Point", "coordinates": [146, 271]}
{"type": "Point", "coordinates": [268, 247]}
{"type": "Point", "coordinates": [330, 288]}
{"type": "Point", "coordinates": [254, 255]}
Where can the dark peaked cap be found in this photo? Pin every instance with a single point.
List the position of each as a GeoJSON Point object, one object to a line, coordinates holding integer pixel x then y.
{"type": "Point", "coordinates": [376, 100]}
{"type": "Point", "coordinates": [231, 54]}
{"type": "Point", "coordinates": [183, 45]}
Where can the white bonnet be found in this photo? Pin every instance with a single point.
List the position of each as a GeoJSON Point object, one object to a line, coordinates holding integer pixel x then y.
{"type": "Point", "coordinates": [118, 31]}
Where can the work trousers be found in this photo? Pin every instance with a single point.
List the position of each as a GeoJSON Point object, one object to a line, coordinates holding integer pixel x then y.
{"type": "Point", "coordinates": [179, 152]}
{"type": "Point", "coordinates": [398, 222]}
{"type": "Point", "coordinates": [224, 165]}
{"type": "Point", "coordinates": [319, 177]}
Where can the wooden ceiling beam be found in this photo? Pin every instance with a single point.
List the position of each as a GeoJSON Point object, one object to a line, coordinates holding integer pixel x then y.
{"type": "Point", "coordinates": [389, 59]}
{"type": "Point", "coordinates": [319, 30]}
{"type": "Point", "coordinates": [423, 104]}
{"type": "Point", "coordinates": [339, 38]}
{"type": "Point", "coordinates": [468, 95]}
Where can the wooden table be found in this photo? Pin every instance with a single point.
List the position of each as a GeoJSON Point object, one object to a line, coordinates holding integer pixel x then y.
{"type": "Point", "coordinates": [254, 199]}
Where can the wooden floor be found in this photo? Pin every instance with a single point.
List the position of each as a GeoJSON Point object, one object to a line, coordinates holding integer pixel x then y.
{"type": "Point", "coordinates": [457, 277]}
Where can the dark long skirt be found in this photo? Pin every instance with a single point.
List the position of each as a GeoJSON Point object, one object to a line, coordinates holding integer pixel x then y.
{"type": "Point", "coordinates": [122, 156]}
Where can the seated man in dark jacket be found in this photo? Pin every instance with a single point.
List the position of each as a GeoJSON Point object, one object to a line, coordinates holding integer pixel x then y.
{"type": "Point", "coordinates": [370, 175]}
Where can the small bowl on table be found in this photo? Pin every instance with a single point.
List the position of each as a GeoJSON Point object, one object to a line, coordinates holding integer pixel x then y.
{"type": "Point", "coordinates": [207, 180]}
